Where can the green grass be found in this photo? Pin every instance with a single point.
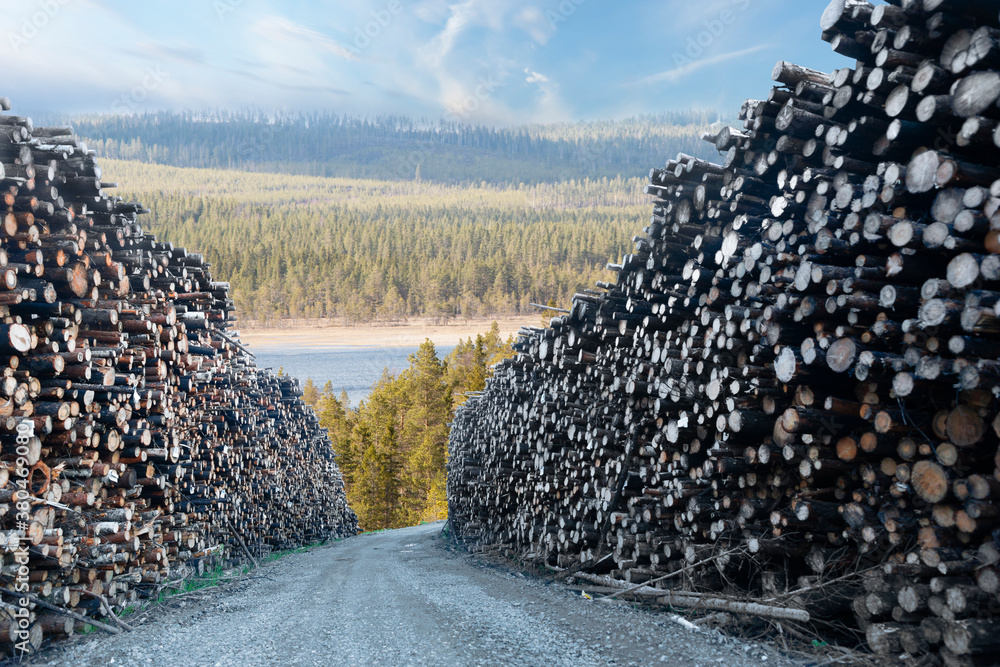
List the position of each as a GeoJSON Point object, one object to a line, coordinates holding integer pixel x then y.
{"type": "Point", "coordinates": [277, 555]}
{"type": "Point", "coordinates": [208, 580]}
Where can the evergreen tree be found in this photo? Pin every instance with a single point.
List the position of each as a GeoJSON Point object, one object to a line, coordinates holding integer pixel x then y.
{"type": "Point", "coordinates": [339, 422]}
{"type": "Point", "coordinates": [359, 255]}
{"type": "Point", "coordinates": [384, 146]}
{"type": "Point", "coordinates": [375, 495]}
{"type": "Point", "coordinates": [425, 430]}
{"type": "Point", "coordinates": [392, 448]}
{"type": "Point", "coordinates": [548, 314]}
{"type": "Point", "coordinates": [469, 364]}
{"type": "Point", "coordinates": [310, 394]}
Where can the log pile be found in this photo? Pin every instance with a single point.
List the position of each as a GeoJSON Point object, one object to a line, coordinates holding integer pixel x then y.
{"type": "Point", "coordinates": [138, 440]}
{"type": "Point", "coordinates": [789, 394]}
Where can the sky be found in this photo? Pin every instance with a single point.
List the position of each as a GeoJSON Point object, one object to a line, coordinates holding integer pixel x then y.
{"type": "Point", "coordinates": [497, 62]}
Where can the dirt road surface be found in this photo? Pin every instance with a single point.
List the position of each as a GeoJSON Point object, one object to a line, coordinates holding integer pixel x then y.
{"type": "Point", "coordinates": [402, 598]}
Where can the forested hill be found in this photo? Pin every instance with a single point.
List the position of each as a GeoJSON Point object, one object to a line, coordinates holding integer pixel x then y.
{"type": "Point", "coordinates": [398, 148]}
{"type": "Point", "coordinates": [301, 246]}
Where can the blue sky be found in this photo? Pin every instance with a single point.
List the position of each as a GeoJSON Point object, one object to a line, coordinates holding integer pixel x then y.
{"type": "Point", "coordinates": [489, 61]}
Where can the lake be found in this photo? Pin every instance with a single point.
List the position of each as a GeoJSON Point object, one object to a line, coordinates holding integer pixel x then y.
{"type": "Point", "coordinates": [352, 369]}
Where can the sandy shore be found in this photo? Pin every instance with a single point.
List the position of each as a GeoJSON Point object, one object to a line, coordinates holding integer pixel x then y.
{"type": "Point", "coordinates": [309, 335]}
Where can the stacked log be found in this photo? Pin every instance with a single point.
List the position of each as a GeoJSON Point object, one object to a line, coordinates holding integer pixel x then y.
{"type": "Point", "coordinates": [138, 440]}
{"type": "Point", "coordinates": [789, 394]}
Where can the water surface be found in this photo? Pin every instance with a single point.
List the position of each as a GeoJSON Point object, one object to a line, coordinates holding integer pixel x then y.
{"type": "Point", "coordinates": [353, 369]}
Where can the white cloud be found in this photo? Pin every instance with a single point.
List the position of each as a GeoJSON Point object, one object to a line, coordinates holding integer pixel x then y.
{"type": "Point", "coordinates": [535, 77]}
{"type": "Point", "coordinates": [532, 21]}
{"type": "Point", "coordinates": [488, 13]}
{"type": "Point", "coordinates": [431, 11]}
{"type": "Point", "coordinates": [280, 29]}
{"type": "Point", "coordinates": [468, 84]}
{"type": "Point", "coordinates": [46, 65]}
{"type": "Point", "coordinates": [678, 73]}
{"type": "Point", "coordinates": [434, 57]}
{"type": "Point", "coordinates": [442, 43]}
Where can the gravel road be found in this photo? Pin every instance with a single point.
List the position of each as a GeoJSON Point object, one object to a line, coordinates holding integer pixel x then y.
{"type": "Point", "coordinates": [401, 598]}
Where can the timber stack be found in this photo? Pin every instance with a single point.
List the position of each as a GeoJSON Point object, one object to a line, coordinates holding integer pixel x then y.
{"type": "Point", "coordinates": [138, 441]}
{"type": "Point", "coordinates": [789, 396]}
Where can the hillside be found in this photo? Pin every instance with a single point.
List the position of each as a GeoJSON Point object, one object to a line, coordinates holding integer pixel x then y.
{"type": "Point", "coordinates": [393, 148]}
{"type": "Point", "coordinates": [297, 246]}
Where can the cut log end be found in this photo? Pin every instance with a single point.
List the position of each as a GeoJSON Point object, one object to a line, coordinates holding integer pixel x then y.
{"type": "Point", "coordinates": [921, 173]}
{"type": "Point", "coordinates": [841, 355]}
{"type": "Point", "coordinates": [930, 481]}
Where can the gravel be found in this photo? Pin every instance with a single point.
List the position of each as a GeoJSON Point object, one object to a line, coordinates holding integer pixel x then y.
{"type": "Point", "coordinates": [401, 598]}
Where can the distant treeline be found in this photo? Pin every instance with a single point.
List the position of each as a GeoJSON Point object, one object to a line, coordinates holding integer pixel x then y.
{"type": "Point", "coordinates": [398, 148]}
{"type": "Point", "coordinates": [297, 246]}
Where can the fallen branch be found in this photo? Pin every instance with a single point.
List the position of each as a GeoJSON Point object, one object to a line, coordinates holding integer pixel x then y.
{"type": "Point", "coordinates": [579, 566]}
{"type": "Point", "coordinates": [725, 604]}
{"type": "Point", "coordinates": [552, 308]}
{"type": "Point", "coordinates": [65, 612]}
{"type": "Point", "coordinates": [674, 574]}
{"type": "Point", "coordinates": [719, 616]}
{"type": "Point", "coordinates": [684, 623]}
{"type": "Point", "coordinates": [107, 607]}
{"type": "Point", "coordinates": [687, 599]}
{"type": "Point", "coordinates": [242, 544]}
{"type": "Point", "coordinates": [820, 585]}
{"type": "Point", "coordinates": [605, 580]}
{"type": "Point", "coordinates": [233, 342]}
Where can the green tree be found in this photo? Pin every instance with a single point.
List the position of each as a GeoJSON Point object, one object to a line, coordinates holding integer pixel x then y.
{"type": "Point", "coordinates": [393, 448]}
{"type": "Point", "coordinates": [469, 364]}
{"type": "Point", "coordinates": [375, 494]}
{"type": "Point", "coordinates": [310, 394]}
{"type": "Point", "coordinates": [335, 416]}
{"type": "Point", "coordinates": [548, 313]}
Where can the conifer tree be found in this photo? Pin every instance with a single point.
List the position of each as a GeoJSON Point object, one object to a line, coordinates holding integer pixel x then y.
{"type": "Point", "coordinates": [310, 394]}
{"type": "Point", "coordinates": [392, 448]}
